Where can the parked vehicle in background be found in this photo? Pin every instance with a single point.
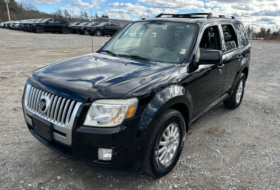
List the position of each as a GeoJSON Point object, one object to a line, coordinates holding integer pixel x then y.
{"type": "Point", "coordinates": [129, 105]}
{"type": "Point", "coordinates": [20, 27]}
{"type": "Point", "coordinates": [74, 26]}
{"type": "Point", "coordinates": [15, 25]}
{"type": "Point", "coordinates": [104, 28]}
{"type": "Point", "coordinates": [9, 25]}
{"type": "Point", "coordinates": [50, 25]}
{"type": "Point", "coordinates": [2, 24]}
{"type": "Point", "coordinates": [26, 24]}
{"type": "Point", "coordinates": [84, 28]}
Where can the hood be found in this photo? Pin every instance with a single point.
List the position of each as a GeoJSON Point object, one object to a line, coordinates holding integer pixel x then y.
{"type": "Point", "coordinates": [95, 76]}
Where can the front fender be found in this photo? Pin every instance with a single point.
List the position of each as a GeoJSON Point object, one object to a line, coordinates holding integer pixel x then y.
{"type": "Point", "coordinates": [162, 101]}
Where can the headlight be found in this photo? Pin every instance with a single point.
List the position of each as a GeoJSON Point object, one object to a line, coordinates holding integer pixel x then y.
{"type": "Point", "coordinates": [110, 113]}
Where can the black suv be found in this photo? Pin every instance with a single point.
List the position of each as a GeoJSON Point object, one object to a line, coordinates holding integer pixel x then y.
{"type": "Point", "coordinates": [129, 105]}
{"type": "Point", "coordinates": [84, 28]}
{"type": "Point", "coordinates": [104, 28]}
{"type": "Point", "coordinates": [50, 25]}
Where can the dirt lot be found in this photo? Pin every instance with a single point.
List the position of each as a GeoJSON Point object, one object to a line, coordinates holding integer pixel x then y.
{"type": "Point", "coordinates": [224, 149]}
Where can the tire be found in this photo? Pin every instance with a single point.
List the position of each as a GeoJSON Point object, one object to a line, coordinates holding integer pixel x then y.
{"type": "Point", "coordinates": [65, 30]}
{"type": "Point", "coordinates": [98, 33]}
{"type": "Point", "coordinates": [154, 162]}
{"type": "Point", "coordinates": [235, 99]}
{"type": "Point", "coordinates": [39, 29]}
{"type": "Point", "coordinates": [86, 32]}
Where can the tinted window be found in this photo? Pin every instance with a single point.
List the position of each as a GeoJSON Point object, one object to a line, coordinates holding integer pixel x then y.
{"type": "Point", "coordinates": [58, 21]}
{"type": "Point", "coordinates": [51, 21]}
{"type": "Point", "coordinates": [241, 34]}
{"type": "Point", "coordinates": [229, 37]}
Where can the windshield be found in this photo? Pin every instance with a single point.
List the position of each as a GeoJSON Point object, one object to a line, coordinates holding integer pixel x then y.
{"type": "Point", "coordinates": [153, 41]}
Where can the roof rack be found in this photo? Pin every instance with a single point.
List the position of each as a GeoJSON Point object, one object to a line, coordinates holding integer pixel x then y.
{"type": "Point", "coordinates": [194, 15]}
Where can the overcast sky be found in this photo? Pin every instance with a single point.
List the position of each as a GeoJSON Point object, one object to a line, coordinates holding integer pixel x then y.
{"type": "Point", "coordinates": [258, 13]}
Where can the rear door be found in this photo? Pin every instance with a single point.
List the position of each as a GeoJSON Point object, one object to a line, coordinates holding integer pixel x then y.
{"type": "Point", "coordinates": [232, 55]}
{"type": "Point", "coordinates": [107, 29]}
{"type": "Point", "coordinates": [58, 25]}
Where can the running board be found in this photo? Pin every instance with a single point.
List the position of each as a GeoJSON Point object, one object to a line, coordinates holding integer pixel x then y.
{"type": "Point", "coordinates": [222, 98]}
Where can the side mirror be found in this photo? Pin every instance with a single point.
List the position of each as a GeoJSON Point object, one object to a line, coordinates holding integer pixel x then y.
{"type": "Point", "coordinates": [47, 22]}
{"type": "Point", "coordinates": [104, 43]}
{"type": "Point", "coordinates": [210, 57]}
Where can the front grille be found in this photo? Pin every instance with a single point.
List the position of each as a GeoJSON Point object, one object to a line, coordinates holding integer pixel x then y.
{"type": "Point", "coordinates": [59, 110]}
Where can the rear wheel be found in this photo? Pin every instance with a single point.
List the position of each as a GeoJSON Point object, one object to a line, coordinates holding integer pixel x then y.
{"type": "Point", "coordinates": [98, 33]}
{"type": "Point", "coordinates": [86, 32]}
{"type": "Point", "coordinates": [39, 29]}
{"type": "Point", "coordinates": [235, 100]}
{"type": "Point", "coordinates": [165, 144]}
{"type": "Point", "coordinates": [65, 31]}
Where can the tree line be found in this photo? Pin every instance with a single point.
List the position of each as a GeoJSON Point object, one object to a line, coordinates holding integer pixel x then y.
{"type": "Point", "coordinates": [265, 33]}
{"type": "Point", "coordinates": [23, 10]}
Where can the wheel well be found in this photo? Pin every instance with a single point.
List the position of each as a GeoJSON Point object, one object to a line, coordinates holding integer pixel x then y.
{"type": "Point", "coordinates": [183, 109]}
{"type": "Point", "coordinates": [245, 71]}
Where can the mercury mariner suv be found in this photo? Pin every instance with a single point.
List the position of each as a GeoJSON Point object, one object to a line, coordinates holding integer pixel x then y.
{"type": "Point", "coordinates": [129, 104]}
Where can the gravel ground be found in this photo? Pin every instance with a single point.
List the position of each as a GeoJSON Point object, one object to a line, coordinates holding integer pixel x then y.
{"type": "Point", "coordinates": [224, 149]}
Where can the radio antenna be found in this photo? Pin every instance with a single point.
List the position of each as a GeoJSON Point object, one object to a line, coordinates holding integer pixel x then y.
{"type": "Point", "coordinates": [91, 25]}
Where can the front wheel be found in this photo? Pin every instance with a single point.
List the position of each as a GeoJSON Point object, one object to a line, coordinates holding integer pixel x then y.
{"type": "Point", "coordinates": [98, 33]}
{"type": "Point", "coordinates": [235, 100]}
{"type": "Point", "coordinates": [165, 144]}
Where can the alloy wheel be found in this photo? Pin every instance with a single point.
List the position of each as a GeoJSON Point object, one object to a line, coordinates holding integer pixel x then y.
{"type": "Point", "coordinates": [168, 145]}
{"type": "Point", "coordinates": [239, 92]}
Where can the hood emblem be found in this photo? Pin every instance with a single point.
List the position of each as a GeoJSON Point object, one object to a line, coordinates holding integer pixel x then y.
{"type": "Point", "coordinates": [44, 104]}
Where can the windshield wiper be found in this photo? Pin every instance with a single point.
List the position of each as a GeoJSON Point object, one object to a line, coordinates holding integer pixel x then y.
{"type": "Point", "coordinates": [135, 57]}
{"type": "Point", "coordinates": [109, 52]}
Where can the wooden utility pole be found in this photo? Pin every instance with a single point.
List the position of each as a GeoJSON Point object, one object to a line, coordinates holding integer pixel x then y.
{"type": "Point", "coordinates": [7, 2]}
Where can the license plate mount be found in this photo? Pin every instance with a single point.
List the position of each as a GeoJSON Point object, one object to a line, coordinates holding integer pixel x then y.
{"type": "Point", "coordinates": [43, 128]}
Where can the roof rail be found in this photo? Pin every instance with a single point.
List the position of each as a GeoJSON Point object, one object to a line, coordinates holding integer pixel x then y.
{"type": "Point", "coordinates": [193, 15]}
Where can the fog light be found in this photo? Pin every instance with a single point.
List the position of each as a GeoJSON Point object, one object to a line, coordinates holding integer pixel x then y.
{"type": "Point", "coordinates": [104, 154]}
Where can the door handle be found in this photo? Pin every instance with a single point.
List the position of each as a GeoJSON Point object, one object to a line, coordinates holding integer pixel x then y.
{"type": "Point", "coordinates": [221, 66]}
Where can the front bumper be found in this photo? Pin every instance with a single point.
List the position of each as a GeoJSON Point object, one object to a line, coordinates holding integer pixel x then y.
{"type": "Point", "coordinates": [125, 141]}
{"type": "Point", "coordinates": [126, 148]}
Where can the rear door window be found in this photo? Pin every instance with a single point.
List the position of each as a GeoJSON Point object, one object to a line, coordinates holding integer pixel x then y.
{"type": "Point", "coordinates": [230, 38]}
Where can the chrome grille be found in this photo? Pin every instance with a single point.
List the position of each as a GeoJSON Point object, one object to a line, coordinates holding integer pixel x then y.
{"type": "Point", "coordinates": [59, 111]}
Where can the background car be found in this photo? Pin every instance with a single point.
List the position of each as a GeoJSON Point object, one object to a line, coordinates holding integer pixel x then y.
{"type": "Point", "coordinates": [50, 25]}
{"type": "Point", "coordinates": [73, 27]}
{"type": "Point", "coordinates": [104, 28]}
{"type": "Point", "coordinates": [84, 29]}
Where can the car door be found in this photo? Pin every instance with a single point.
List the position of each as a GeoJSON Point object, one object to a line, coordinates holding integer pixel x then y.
{"type": "Point", "coordinates": [232, 55]}
{"type": "Point", "coordinates": [50, 25]}
{"type": "Point", "coordinates": [208, 79]}
{"type": "Point", "coordinates": [58, 25]}
{"type": "Point", "coordinates": [107, 29]}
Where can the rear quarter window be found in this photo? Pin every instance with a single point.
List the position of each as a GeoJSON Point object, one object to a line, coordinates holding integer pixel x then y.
{"type": "Point", "coordinates": [241, 34]}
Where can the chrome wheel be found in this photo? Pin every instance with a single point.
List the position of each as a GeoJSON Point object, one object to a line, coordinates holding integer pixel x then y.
{"type": "Point", "coordinates": [98, 33]}
{"type": "Point", "coordinates": [239, 92]}
{"type": "Point", "coordinates": [168, 145]}
{"type": "Point", "coordinates": [86, 32]}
